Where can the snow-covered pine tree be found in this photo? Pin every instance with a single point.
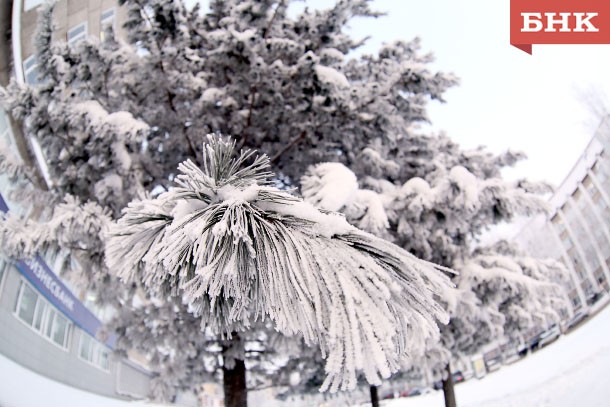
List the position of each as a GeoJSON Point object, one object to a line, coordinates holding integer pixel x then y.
{"type": "Point", "coordinates": [239, 251]}
{"type": "Point", "coordinates": [448, 197]}
{"type": "Point", "coordinates": [114, 119]}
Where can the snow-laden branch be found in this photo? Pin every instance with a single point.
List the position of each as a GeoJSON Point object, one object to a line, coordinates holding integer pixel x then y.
{"type": "Point", "coordinates": [239, 251]}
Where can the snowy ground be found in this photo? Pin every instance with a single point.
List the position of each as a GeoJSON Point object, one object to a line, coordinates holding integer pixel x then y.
{"type": "Point", "coordinates": [20, 387]}
{"type": "Point", "coordinates": [572, 371]}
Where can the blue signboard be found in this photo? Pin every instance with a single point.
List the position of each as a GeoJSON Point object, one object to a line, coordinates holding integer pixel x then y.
{"type": "Point", "coordinates": [55, 291]}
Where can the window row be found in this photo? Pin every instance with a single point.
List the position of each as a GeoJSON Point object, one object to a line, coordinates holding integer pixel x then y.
{"type": "Point", "coordinates": [46, 320]}
{"type": "Point", "coordinates": [74, 35]}
{"type": "Point", "coordinates": [41, 316]}
{"type": "Point", "coordinates": [93, 352]}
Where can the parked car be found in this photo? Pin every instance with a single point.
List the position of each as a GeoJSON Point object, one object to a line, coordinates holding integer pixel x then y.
{"type": "Point", "coordinates": [416, 391]}
{"type": "Point", "coordinates": [576, 319]}
{"type": "Point", "coordinates": [594, 298]}
{"type": "Point", "coordinates": [458, 377]}
{"type": "Point", "coordinates": [534, 341]}
{"type": "Point", "coordinates": [550, 335]}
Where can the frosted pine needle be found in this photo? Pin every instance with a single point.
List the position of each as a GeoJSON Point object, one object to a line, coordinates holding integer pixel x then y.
{"type": "Point", "coordinates": [239, 250]}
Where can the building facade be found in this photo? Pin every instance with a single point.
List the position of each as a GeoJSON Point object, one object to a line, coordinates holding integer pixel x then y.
{"type": "Point", "coordinates": [577, 230]}
{"type": "Point", "coordinates": [47, 326]}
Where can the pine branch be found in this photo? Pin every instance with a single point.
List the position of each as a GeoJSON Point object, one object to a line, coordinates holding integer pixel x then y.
{"type": "Point", "coordinates": [239, 252]}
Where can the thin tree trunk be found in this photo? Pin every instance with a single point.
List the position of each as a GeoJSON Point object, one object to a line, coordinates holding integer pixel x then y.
{"type": "Point", "coordinates": [374, 396]}
{"type": "Point", "coordinates": [234, 373]}
{"type": "Point", "coordinates": [448, 390]}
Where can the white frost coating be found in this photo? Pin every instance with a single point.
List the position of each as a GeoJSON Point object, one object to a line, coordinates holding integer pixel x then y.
{"type": "Point", "coordinates": [331, 76]}
{"type": "Point", "coordinates": [375, 219]}
{"type": "Point", "coordinates": [111, 183]}
{"type": "Point", "coordinates": [99, 117]}
{"type": "Point", "coordinates": [91, 108]}
{"type": "Point", "coordinates": [185, 207]}
{"type": "Point", "coordinates": [243, 35]}
{"type": "Point", "coordinates": [212, 95]}
{"type": "Point", "coordinates": [333, 186]}
{"type": "Point", "coordinates": [238, 195]}
{"type": "Point", "coordinates": [121, 155]}
{"type": "Point", "coordinates": [417, 186]}
{"type": "Point", "coordinates": [333, 53]}
{"type": "Point", "coordinates": [378, 161]}
{"type": "Point", "coordinates": [249, 251]}
{"type": "Point", "coordinates": [367, 117]}
{"type": "Point", "coordinates": [468, 185]}
{"type": "Point", "coordinates": [326, 224]}
{"type": "Point", "coordinates": [126, 122]}
{"type": "Point", "coordinates": [420, 196]}
{"type": "Point", "coordinates": [329, 186]}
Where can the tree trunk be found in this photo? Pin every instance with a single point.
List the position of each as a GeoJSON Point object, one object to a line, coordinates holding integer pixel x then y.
{"type": "Point", "coordinates": [448, 391]}
{"type": "Point", "coordinates": [374, 396]}
{"type": "Point", "coordinates": [234, 373]}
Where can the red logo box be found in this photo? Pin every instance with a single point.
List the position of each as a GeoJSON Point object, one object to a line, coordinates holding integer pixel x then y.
{"type": "Point", "coordinates": [559, 22]}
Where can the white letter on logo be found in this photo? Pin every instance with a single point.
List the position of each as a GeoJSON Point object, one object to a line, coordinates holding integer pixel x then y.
{"type": "Point", "coordinates": [529, 19]}
{"type": "Point", "coordinates": [580, 22]}
{"type": "Point", "coordinates": [551, 22]}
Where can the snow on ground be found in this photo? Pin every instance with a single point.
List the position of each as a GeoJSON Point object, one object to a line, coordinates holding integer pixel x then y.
{"type": "Point", "coordinates": [572, 371]}
{"type": "Point", "coordinates": [20, 387]}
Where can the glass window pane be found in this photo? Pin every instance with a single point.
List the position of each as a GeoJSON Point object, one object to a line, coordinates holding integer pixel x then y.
{"type": "Point", "coordinates": [76, 31]}
{"type": "Point", "coordinates": [60, 330]}
{"type": "Point", "coordinates": [39, 314]}
{"type": "Point", "coordinates": [85, 346]}
{"type": "Point", "coordinates": [29, 63]}
{"type": "Point", "coordinates": [108, 15]}
{"type": "Point", "coordinates": [103, 362]}
{"type": "Point", "coordinates": [32, 77]}
{"type": "Point", "coordinates": [49, 323]}
{"type": "Point", "coordinates": [77, 34]}
{"type": "Point", "coordinates": [27, 305]}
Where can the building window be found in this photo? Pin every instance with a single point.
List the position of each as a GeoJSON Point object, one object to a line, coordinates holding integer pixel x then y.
{"type": "Point", "coordinates": [93, 352]}
{"type": "Point", "coordinates": [41, 316]}
{"type": "Point", "coordinates": [77, 33]}
{"type": "Point", "coordinates": [30, 70]}
{"type": "Point", "coordinates": [106, 20]}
